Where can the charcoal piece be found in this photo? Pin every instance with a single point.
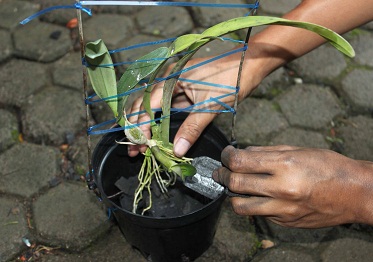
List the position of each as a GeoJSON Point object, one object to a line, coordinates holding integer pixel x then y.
{"type": "Point", "coordinates": [127, 185]}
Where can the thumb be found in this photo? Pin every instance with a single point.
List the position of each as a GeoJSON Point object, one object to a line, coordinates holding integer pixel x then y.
{"type": "Point", "coordinates": [190, 131]}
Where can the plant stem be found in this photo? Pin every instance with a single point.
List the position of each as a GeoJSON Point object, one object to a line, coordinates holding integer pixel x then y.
{"type": "Point", "coordinates": [162, 158]}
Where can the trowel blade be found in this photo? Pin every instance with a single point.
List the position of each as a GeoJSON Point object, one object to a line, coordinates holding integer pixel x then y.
{"type": "Point", "coordinates": [202, 182]}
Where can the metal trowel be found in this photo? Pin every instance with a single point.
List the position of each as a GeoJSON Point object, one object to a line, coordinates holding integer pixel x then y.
{"type": "Point", "coordinates": [203, 183]}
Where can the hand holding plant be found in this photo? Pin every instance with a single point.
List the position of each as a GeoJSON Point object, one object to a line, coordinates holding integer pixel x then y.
{"type": "Point", "coordinates": [160, 150]}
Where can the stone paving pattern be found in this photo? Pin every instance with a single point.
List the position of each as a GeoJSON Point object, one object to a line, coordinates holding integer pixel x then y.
{"type": "Point", "coordinates": [320, 100]}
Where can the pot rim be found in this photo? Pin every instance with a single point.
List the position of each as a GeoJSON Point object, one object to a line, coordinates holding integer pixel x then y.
{"type": "Point", "coordinates": [104, 197]}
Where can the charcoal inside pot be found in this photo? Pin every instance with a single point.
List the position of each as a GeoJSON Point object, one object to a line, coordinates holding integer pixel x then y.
{"type": "Point", "coordinates": [166, 205]}
{"type": "Point", "coordinates": [178, 201]}
{"type": "Point", "coordinates": [127, 185]}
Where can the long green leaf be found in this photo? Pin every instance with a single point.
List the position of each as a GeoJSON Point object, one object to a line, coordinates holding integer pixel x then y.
{"type": "Point", "coordinates": [183, 42]}
{"type": "Point", "coordinates": [197, 40]}
{"type": "Point", "coordinates": [142, 67]}
{"type": "Point", "coordinates": [168, 90]}
{"type": "Point", "coordinates": [101, 72]}
{"type": "Point", "coordinates": [251, 21]}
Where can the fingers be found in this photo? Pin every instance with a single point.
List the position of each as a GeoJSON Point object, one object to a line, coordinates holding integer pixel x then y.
{"type": "Point", "coordinates": [190, 130]}
{"type": "Point", "coordinates": [265, 206]}
{"type": "Point", "coordinates": [261, 160]}
{"type": "Point", "coordinates": [271, 148]}
{"type": "Point", "coordinates": [249, 184]}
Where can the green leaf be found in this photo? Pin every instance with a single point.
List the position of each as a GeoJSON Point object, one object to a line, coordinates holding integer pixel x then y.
{"type": "Point", "coordinates": [168, 90]}
{"type": "Point", "coordinates": [251, 21]}
{"type": "Point", "coordinates": [183, 42]}
{"type": "Point", "coordinates": [197, 40]}
{"type": "Point", "coordinates": [184, 170]}
{"type": "Point", "coordinates": [146, 65]}
{"type": "Point", "coordinates": [101, 72]}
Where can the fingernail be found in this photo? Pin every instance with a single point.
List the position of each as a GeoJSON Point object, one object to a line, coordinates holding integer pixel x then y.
{"type": "Point", "coordinates": [181, 147]}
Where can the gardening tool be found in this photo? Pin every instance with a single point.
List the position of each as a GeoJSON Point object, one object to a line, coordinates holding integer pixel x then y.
{"type": "Point", "coordinates": [203, 183]}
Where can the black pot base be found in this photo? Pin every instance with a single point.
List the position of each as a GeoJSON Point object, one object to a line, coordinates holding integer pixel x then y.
{"type": "Point", "coordinates": [162, 235]}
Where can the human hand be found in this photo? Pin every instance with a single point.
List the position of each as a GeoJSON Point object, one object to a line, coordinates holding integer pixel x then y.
{"type": "Point", "coordinates": [298, 187]}
{"type": "Point", "coordinates": [223, 71]}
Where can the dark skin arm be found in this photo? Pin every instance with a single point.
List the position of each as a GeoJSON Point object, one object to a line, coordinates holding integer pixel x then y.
{"type": "Point", "coordinates": [268, 50]}
{"type": "Point", "coordinates": [298, 187]}
{"type": "Point", "coordinates": [291, 186]}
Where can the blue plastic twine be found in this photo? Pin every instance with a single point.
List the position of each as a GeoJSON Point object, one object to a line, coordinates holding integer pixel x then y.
{"type": "Point", "coordinates": [75, 6]}
{"type": "Point", "coordinates": [162, 3]}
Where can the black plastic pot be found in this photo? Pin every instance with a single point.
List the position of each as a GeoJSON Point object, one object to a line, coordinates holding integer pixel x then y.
{"type": "Point", "coordinates": [181, 238]}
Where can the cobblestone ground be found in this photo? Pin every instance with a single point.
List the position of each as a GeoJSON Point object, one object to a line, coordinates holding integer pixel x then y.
{"type": "Point", "coordinates": [320, 100]}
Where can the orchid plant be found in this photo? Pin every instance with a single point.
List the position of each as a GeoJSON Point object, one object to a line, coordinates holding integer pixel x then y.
{"type": "Point", "coordinates": [160, 164]}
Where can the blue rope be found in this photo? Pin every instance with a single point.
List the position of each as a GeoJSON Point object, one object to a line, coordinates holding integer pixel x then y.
{"type": "Point", "coordinates": [85, 63]}
{"type": "Point", "coordinates": [142, 45]}
{"type": "Point", "coordinates": [158, 80]}
{"type": "Point", "coordinates": [203, 63]}
{"type": "Point", "coordinates": [162, 3]}
{"type": "Point", "coordinates": [207, 83]}
{"type": "Point", "coordinates": [192, 108]}
{"type": "Point", "coordinates": [80, 4]}
{"type": "Point", "coordinates": [52, 8]}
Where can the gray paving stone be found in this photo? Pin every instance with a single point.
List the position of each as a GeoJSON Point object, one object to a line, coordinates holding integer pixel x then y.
{"type": "Point", "coordinates": [12, 12]}
{"type": "Point", "coordinates": [274, 84]}
{"type": "Point", "coordinates": [53, 114]}
{"type": "Point", "coordinates": [364, 52]}
{"type": "Point", "coordinates": [129, 10]}
{"type": "Point", "coordinates": [324, 63]}
{"type": "Point", "coordinates": [110, 247]}
{"type": "Point", "coordinates": [281, 7]}
{"type": "Point", "coordinates": [68, 71]}
{"type": "Point", "coordinates": [13, 228]}
{"type": "Point", "coordinates": [230, 228]}
{"type": "Point", "coordinates": [357, 85]}
{"type": "Point", "coordinates": [356, 135]}
{"type": "Point", "coordinates": [283, 253]}
{"type": "Point", "coordinates": [6, 45]}
{"type": "Point", "coordinates": [303, 237]}
{"type": "Point", "coordinates": [41, 41]}
{"type": "Point", "coordinates": [98, 27]}
{"type": "Point", "coordinates": [207, 17]}
{"type": "Point", "coordinates": [8, 129]}
{"type": "Point", "coordinates": [69, 216]}
{"type": "Point", "coordinates": [309, 106]}
{"type": "Point", "coordinates": [368, 26]}
{"type": "Point", "coordinates": [224, 248]}
{"type": "Point", "coordinates": [257, 120]}
{"type": "Point", "coordinates": [348, 249]}
{"type": "Point", "coordinates": [152, 20]}
{"type": "Point", "coordinates": [20, 79]}
{"type": "Point", "coordinates": [299, 137]}
{"type": "Point", "coordinates": [78, 153]}
{"type": "Point", "coordinates": [101, 9]}
{"type": "Point", "coordinates": [58, 16]}
{"type": "Point", "coordinates": [27, 168]}
{"type": "Point", "coordinates": [235, 237]}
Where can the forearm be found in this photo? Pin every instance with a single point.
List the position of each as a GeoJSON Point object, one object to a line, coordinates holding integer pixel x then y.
{"type": "Point", "coordinates": [364, 212]}
{"type": "Point", "coordinates": [278, 45]}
